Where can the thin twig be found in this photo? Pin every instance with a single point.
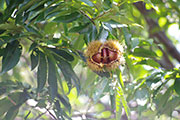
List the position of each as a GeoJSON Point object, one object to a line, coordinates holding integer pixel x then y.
{"type": "Point", "coordinates": [82, 12]}
{"type": "Point", "coordinates": [51, 114]}
{"type": "Point", "coordinates": [39, 116]}
{"type": "Point", "coordinates": [12, 101]}
{"type": "Point", "coordinates": [104, 13]}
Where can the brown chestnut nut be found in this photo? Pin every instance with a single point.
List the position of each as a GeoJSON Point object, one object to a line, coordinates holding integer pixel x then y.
{"type": "Point", "coordinates": [104, 56]}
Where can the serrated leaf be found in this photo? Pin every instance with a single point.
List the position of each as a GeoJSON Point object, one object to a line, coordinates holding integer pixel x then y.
{"type": "Point", "coordinates": [34, 59]}
{"type": "Point", "coordinates": [120, 95]}
{"type": "Point", "coordinates": [176, 86]}
{"type": "Point", "coordinates": [68, 18]}
{"type": "Point", "coordinates": [62, 53]}
{"type": "Point", "coordinates": [11, 56]}
{"type": "Point", "coordinates": [42, 72]}
{"type": "Point", "coordinates": [118, 106]}
{"type": "Point", "coordinates": [141, 52]}
{"type": "Point", "coordinates": [69, 74]}
{"type": "Point", "coordinates": [52, 79]}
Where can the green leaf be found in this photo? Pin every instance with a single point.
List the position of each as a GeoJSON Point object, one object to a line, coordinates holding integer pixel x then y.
{"type": "Point", "coordinates": [50, 28]}
{"type": "Point", "coordinates": [101, 87]}
{"type": "Point", "coordinates": [62, 53]}
{"type": "Point", "coordinates": [142, 94]}
{"type": "Point", "coordinates": [7, 39]}
{"type": "Point", "coordinates": [153, 63]}
{"type": "Point", "coordinates": [141, 52]}
{"type": "Point", "coordinates": [113, 102]}
{"type": "Point", "coordinates": [177, 86]}
{"type": "Point", "coordinates": [163, 99]}
{"type": "Point", "coordinates": [5, 105]}
{"type": "Point", "coordinates": [127, 37]}
{"type": "Point", "coordinates": [170, 106]}
{"type": "Point", "coordinates": [12, 113]}
{"type": "Point", "coordinates": [52, 78]}
{"type": "Point", "coordinates": [42, 72]}
{"type": "Point", "coordinates": [41, 103]}
{"type": "Point", "coordinates": [59, 110]}
{"type": "Point", "coordinates": [11, 104]}
{"type": "Point", "coordinates": [150, 62]}
{"type": "Point", "coordinates": [11, 56]}
{"type": "Point", "coordinates": [68, 18]}
{"type": "Point", "coordinates": [135, 42]}
{"type": "Point", "coordinates": [88, 2]}
{"type": "Point", "coordinates": [33, 46]}
{"type": "Point", "coordinates": [82, 29]}
{"type": "Point", "coordinates": [69, 74]}
{"type": "Point", "coordinates": [118, 106]}
{"type": "Point", "coordinates": [103, 34]}
{"type": "Point", "coordinates": [34, 59]}
{"type": "Point", "coordinates": [25, 118]}
{"type": "Point", "coordinates": [65, 102]}
{"type": "Point", "coordinates": [121, 98]}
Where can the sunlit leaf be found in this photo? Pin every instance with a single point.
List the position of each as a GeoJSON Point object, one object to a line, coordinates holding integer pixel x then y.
{"type": "Point", "coordinates": [88, 2]}
{"type": "Point", "coordinates": [121, 98]}
{"type": "Point", "coordinates": [141, 52]}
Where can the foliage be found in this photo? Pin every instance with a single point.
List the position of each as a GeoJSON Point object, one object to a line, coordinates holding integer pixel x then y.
{"type": "Point", "coordinates": [41, 49]}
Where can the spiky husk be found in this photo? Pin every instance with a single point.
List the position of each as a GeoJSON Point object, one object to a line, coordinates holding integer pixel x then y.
{"type": "Point", "coordinates": [93, 48]}
{"type": "Point", "coordinates": [96, 46]}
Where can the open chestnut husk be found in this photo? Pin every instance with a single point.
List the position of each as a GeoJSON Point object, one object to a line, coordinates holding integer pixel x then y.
{"type": "Point", "coordinates": [105, 56]}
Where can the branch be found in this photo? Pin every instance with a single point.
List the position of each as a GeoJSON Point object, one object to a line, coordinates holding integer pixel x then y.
{"type": "Point", "coordinates": [160, 35]}
{"type": "Point", "coordinates": [165, 62]}
{"type": "Point", "coordinates": [51, 114]}
{"type": "Point", "coordinates": [82, 12]}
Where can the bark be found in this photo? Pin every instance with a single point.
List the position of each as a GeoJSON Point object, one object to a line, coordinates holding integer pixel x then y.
{"type": "Point", "coordinates": [161, 36]}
